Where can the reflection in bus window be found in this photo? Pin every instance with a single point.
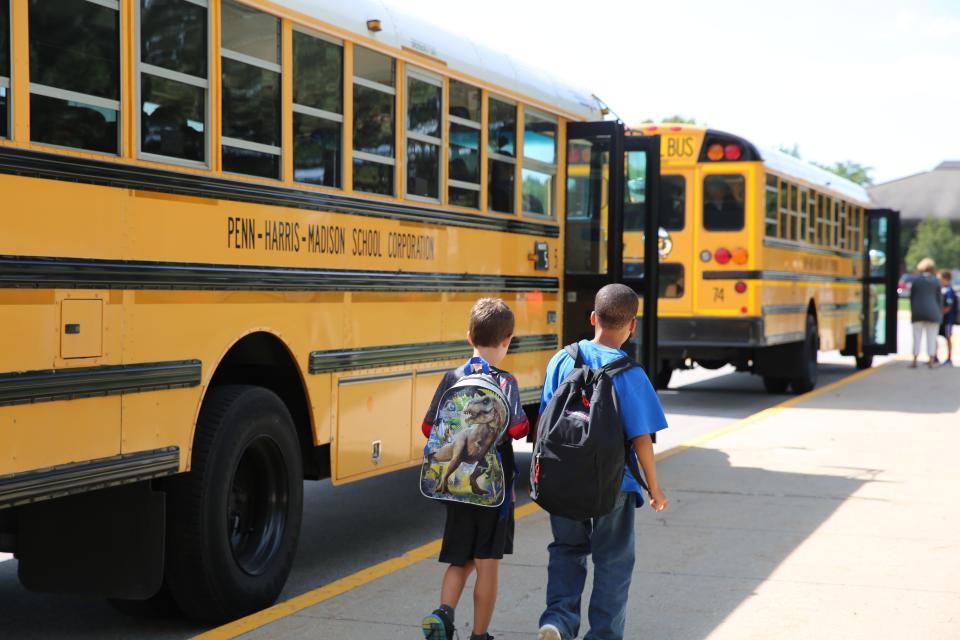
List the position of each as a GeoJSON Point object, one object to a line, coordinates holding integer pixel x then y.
{"type": "Point", "coordinates": [4, 69]}
{"type": "Point", "coordinates": [770, 215]}
{"type": "Point", "coordinates": [670, 282]}
{"type": "Point", "coordinates": [374, 90]}
{"type": "Point", "coordinates": [173, 80]}
{"type": "Point", "coordinates": [424, 141]}
{"type": "Point", "coordinates": [463, 184]}
{"type": "Point", "coordinates": [251, 91]}
{"type": "Point", "coordinates": [502, 132]}
{"type": "Point", "coordinates": [539, 163]}
{"type": "Point", "coordinates": [75, 74]}
{"type": "Point", "coordinates": [588, 162]}
{"type": "Point", "coordinates": [673, 201]}
{"type": "Point", "coordinates": [317, 110]}
{"type": "Point", "coordinates": [723, 202]}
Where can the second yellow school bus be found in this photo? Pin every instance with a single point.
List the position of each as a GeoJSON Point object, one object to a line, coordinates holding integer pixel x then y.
{"type": "Point", "coordinates": [762, 259]}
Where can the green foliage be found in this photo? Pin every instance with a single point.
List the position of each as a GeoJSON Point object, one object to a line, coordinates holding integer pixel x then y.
{"type": "Point", "coordinates": [853, 171]}
{"type": "Point", "coordinates": [935, 239]}
{"type": "Point", "coordinates": [791, 151]}
{"type": "Point", "coordinates": [673, 119]}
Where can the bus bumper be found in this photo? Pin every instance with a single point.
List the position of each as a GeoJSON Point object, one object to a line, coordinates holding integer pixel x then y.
{"type": "Point", "coordinates": [695, 334]}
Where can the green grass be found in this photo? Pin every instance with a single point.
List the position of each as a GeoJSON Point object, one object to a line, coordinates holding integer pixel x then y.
{"type": "Point", "coordinates": [904, 304]}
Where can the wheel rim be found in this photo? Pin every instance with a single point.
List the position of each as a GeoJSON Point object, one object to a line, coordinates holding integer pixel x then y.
{"type": "Point", "coordinates": [257, 505]}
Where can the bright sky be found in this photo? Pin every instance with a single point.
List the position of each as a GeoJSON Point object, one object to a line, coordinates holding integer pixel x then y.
{"type": "Point", "coordinates": [874, 81]}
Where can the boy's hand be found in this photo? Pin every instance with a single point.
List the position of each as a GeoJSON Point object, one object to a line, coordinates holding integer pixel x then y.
{"type": "Point", "coordinates": [658, 499]}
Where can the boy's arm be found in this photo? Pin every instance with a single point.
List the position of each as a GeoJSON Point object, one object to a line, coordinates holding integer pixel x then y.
{"type": "Point", "coordinates": [643, 445]}
{"type": "Point", "coordinates": [519, 424]}
{"type": "Point", "coordinates": [428, 419]}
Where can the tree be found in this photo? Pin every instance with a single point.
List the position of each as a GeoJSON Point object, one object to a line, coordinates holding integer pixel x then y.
{"type": "Point", "coordinates": [791, 151]}
{"type": "Point", "coordinates": [674, 120]}
{"type": "Point", "coordinates": [935, 239]}
{"type": "Point", "coordinates": [853, 171]}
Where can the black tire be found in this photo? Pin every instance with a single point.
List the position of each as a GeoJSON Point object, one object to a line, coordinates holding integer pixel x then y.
{"type": "Point", "coordinates": [664, 373]}
{"type": "Point", "coordinates": [806, 359]}
{"type": "Point", "coordinates": [864, 362]}
{"type": "Point", "coordinates": [159, 606]}
{"type": "Point", "coordinates": [775, 385]}
{"type": "Point", "coordinates": [234, 520]}
{"type": "Point", "coordinates": [713, 365]}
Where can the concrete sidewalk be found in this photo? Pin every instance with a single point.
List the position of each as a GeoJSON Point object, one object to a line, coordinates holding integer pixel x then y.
{"type": "Point", "coordinates": [836, 517]}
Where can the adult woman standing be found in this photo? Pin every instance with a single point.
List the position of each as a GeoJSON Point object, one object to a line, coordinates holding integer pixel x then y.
{"type": "Point", "coordinates": [926, 310]}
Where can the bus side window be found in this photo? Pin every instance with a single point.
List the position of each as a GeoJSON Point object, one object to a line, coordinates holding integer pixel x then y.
{"type": "Point", "coordinates": [502, 133]}
{"type": "Point", "coordinates": [424, 132]}
{"type": "Point", "coordinates": [317, 110]}
{"type": "Point", "coordinates": [723, 202]}
{"type": "Point", "coordinates": [539, 163]}
{"type": "Point", "coordinates": [75, 75]}
{"type": "Point", "coordinates": [771, 206]}
{"type": "Point", "coordinates": [784, 210]}
{"type": "Point", "coordinates": [173, 80]}
{"type": "Point", "coordinates": [463, 184]}
{"type": "Point", "coordinates": [4, 69]}
{"type": "Point", "coordinates": [374, 104]}
{"type": "Point", "coordinates": [250, 57]}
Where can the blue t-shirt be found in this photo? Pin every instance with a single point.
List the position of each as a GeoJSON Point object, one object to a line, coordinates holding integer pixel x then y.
{"type": "Point", "coordinates": [950, 302]}
{"type": "Point", "coordinates": [640, 407]}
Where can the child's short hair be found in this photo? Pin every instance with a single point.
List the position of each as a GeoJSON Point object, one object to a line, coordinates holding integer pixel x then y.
{"type": "Point", "coordinates": [491, 322]}
{"type": "Point", "coordinates": [616, 305]}
{"type": "Point", "coordinates": [946, 275]}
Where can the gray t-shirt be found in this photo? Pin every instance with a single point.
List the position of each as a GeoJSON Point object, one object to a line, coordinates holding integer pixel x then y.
{"type": "Point", "coordinates": [926, 299]}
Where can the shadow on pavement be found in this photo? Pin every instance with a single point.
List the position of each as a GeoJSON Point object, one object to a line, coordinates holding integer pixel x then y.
{"type": "Point", "coordinates": [727, 531]}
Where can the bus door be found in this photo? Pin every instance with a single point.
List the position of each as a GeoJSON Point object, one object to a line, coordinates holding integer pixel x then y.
{"type": "Point", "coordinates": [598, 155]}
{"type": "Point", "coordinates": [881, 270]}
{"type": "Point", "coordinates": [675, 242]}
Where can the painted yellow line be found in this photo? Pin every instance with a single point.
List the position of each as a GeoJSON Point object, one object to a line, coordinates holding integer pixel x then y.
{"type": "Point", "coordinates": [431, 549]}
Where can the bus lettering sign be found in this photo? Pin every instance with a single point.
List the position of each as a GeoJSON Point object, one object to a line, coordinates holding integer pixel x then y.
{"type": "Point", "coordinates": [679, 147]}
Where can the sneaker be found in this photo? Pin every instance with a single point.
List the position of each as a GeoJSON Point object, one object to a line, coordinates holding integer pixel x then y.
{"type": "Point", "coordinates": [948, 362]}
{"type": "Point", "coordinates": [437, 626]}
{"type": "Point", "coordinates": [549, 632]}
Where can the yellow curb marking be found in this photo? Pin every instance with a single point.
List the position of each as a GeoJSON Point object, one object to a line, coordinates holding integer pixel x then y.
{"type": "Point", "coordinates": [431, 549]}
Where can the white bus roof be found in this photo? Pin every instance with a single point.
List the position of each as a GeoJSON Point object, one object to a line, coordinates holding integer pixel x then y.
{"type": "Point", "coordinates": [458, 52]}
{"type": "Point", "coordinates": [791, 166]}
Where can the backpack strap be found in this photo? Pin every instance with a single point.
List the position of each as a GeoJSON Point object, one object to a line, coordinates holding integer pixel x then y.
{"type": "Point", "coordinates": [634, 467]}
{"type": "Point", "coordinates": [476, 361]}
{"type": "Point", "coordinates": [573, 350]}
{"type": "Point", "coordinates": [618, 366]}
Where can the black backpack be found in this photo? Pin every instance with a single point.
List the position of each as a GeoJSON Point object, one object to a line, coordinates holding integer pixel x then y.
{"type": "Point", "coordinates": [580, 451]}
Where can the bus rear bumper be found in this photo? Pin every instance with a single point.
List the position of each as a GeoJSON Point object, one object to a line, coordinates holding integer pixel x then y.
{"type": "Point", "coordinates": [714, 333]}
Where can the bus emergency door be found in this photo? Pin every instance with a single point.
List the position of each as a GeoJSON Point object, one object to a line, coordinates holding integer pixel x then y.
{"type": "Point", "coordinates": [881, 270]}
{"type": "Point", "coordinates": [598, 155]}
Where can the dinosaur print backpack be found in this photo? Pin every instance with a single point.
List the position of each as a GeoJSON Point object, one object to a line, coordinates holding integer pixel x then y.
{"type": "Point", "coordinates": [460, 461]}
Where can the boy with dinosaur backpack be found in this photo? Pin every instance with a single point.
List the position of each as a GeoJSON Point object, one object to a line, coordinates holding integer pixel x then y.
{"type": "Point", "coordinates": [629, 415]}
{"type": "Point", "coordinates": [469, 464]}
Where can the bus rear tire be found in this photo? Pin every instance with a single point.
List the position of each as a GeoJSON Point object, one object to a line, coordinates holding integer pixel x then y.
{"type": "Point", "coordinates": [864, 362]}
{"type": "Point", "coordinates": [806, 360]}
{"type": "Point", "coordinates": [234, 520]}
{"type": "Point", "coordinates": [775, 385]}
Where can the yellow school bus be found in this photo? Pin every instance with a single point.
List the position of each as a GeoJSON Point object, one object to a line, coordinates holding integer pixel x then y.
{"type": "Point", "coordinates": [763, 260]}
{"type": "Point", "coordinates": [238, 247]}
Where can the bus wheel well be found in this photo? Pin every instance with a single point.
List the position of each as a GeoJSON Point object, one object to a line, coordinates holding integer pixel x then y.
{"type": "Point", "coordinates": [262, 359]}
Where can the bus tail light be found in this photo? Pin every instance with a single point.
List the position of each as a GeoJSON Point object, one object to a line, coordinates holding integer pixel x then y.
{"type": "Point", "coordinates": [715, 152]}
{"type": "Point", "coordinates": [740, 256]}
{"type": "Point", "coordinates": [740, 287]}
{"type": "Point", "coordinates": [722, 256]}
{"type": "Point", "coordinates": [732, 152]}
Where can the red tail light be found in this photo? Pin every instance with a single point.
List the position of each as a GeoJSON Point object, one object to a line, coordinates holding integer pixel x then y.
{"type": "Point", "coordinates": [740, 287]}
{"type": "Point", "coordinates": [732, 152]}
{"type": "Point", "coordinates": [722, 256]}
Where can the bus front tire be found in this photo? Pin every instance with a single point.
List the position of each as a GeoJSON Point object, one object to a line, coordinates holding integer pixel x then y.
{"type": "Point", "coordinates": [664, 373]}
{"type": "Point", "coordinates": [806, 360]}
{"type": "Point", "coordinates": [234, 520]}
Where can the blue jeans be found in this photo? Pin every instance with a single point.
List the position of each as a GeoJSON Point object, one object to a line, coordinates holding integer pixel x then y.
{"type": "Point", "coordinates": [610, 539]}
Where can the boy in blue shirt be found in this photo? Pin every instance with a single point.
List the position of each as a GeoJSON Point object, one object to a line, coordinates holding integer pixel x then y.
{"type": "Point", "coordinates": [950, 309]}
{"type": "Point", "coordinates": [610, 539]}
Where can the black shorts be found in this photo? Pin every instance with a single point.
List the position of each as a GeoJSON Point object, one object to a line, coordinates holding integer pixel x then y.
{"type": "Point", "coordinates": [946, 327]}
{"type": "Point", "coordinates": [476, 533]}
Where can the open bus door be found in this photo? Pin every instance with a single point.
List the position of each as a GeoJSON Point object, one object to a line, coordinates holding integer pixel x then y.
{"type": "Point", "coordinates": [880, 273]}
{"type": "Point", "coordinates": [600, 160]}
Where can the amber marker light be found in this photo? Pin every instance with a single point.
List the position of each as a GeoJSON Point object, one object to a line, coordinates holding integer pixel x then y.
{"type": "Point", "coordinates": [739, 256]}
{"type": "Point", "coordinates": [715, 152]}
{"type": "Point", "coordinates": [374, 25]}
